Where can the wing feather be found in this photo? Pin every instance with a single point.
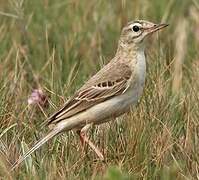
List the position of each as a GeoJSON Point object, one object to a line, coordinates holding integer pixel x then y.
{"type": "Point", "coordinates": [96, 90]}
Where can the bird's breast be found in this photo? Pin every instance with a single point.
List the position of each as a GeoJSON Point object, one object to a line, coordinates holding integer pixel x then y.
{"type": "Point", "coordinates": [137, 80]}
{"type": "Point", "coordinates": [141, 67]}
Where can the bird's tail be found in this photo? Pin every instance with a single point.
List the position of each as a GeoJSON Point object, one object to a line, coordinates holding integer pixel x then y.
{"type": "Point", "coordinates": [50, 135]}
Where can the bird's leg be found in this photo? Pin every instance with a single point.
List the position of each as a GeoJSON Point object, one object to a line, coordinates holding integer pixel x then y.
{"type": "Point", "coordinates": [85, 139]}
{"type": "Point", "coordinates": [82, 133]}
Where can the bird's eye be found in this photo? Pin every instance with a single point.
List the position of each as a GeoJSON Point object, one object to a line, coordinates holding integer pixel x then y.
{"type": "Point", "coordinates": [136, 28]}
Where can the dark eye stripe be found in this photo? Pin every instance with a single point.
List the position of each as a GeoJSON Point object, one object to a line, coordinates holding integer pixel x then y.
{"type": "Point", "coordinates": [138, 35]}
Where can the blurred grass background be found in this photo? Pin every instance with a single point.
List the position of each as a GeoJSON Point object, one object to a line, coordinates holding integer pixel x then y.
{"type": "Point", "coordinates": [57, 45]}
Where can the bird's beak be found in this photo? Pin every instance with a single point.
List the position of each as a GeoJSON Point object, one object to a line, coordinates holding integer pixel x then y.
{"type": "Point", "coordinates": [156, 27]}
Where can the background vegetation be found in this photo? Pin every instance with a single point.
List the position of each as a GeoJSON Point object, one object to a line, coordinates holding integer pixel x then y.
{"type": "Point", "coordinates": [56, 45]}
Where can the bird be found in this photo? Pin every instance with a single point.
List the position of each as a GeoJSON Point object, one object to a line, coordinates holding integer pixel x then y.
{"type": "Point", "coordinates": [111, 92]}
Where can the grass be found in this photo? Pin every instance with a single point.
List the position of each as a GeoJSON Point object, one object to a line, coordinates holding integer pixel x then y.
{"type": "Point", "coordinates": [56, 46]}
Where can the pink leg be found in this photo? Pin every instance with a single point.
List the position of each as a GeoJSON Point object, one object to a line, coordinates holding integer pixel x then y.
{"type": "Point", "coordinates": [84, 139]}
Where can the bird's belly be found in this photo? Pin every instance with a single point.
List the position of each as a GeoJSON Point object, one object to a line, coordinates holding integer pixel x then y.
{"type": "Point", "coordinates": [106, 110]}
{"type": "Point", "coordinates": [112, 108]}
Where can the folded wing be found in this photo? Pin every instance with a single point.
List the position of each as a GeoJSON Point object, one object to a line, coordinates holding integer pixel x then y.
{"type": "Point", "coordinates": [96, 90]}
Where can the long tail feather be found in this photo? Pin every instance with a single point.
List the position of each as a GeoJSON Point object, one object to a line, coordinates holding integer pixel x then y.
{"type": "Point", "coordinates": [50, 135]}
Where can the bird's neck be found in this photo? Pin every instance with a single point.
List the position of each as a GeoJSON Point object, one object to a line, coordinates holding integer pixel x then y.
{"type": "Point", "coordinates": [129, 51]}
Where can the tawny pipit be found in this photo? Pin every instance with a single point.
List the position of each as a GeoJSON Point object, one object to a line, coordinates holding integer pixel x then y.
{"type": "Point", "coordinates": [109, 93]}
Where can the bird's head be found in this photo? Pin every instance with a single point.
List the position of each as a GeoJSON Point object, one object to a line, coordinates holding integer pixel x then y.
{"type": "Point", "coordinates": [135, 32]}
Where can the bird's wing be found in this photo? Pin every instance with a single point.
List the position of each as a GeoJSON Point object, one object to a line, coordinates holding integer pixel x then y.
{"type": "Point", "coordinates": [99, 88]}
